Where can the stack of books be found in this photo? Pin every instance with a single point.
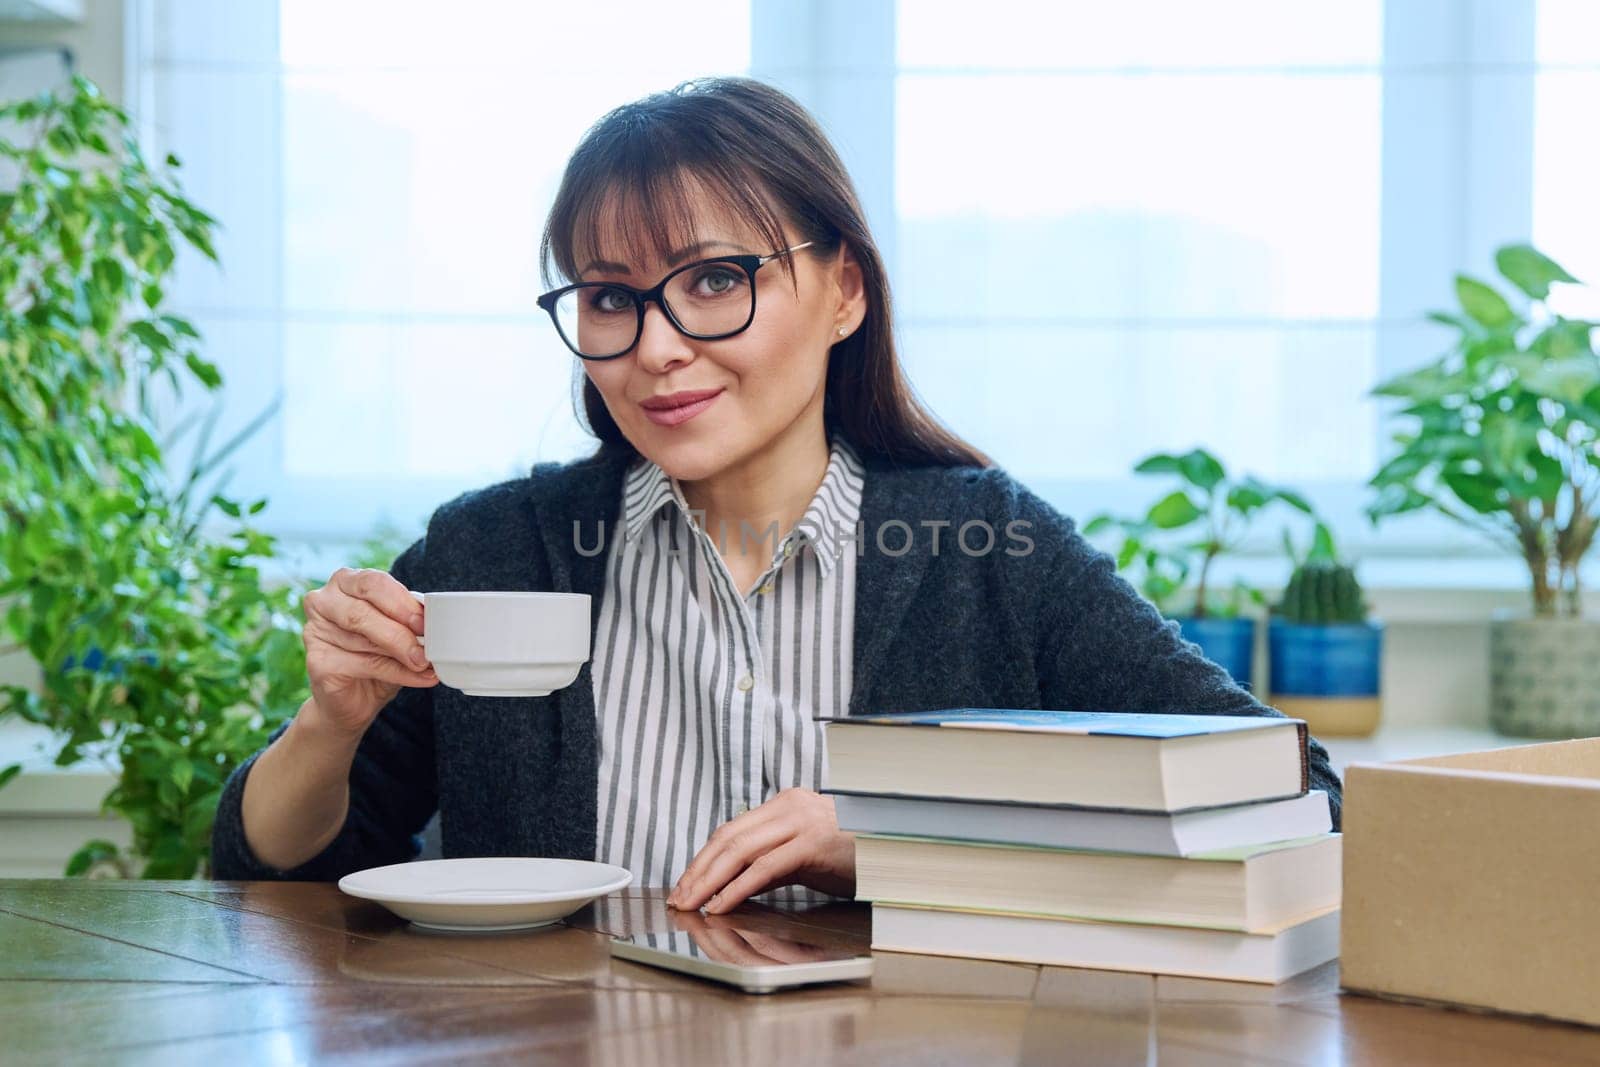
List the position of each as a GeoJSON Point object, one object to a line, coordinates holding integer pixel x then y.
{"type": "Point", "coordinates": [1168, 844]}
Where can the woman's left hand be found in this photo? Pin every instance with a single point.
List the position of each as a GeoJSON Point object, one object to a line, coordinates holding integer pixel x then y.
{"type": "Point", "coordinates": [794, 838]}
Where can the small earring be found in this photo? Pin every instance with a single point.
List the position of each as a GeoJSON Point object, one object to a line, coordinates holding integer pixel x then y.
{"type": "Point", "coordinates": [841, 331]}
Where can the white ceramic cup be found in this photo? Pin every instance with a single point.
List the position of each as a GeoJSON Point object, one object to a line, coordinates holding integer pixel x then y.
{"type": "Point", "coordinates": [506, 644]}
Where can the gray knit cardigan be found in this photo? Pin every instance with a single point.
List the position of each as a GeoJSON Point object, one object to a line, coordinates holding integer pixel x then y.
{"type": "Point", "coordinates": [1038, 623]}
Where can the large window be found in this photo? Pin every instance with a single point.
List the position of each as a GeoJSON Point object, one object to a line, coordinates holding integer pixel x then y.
{"type": "Point", "coordinates": [1111, 228]}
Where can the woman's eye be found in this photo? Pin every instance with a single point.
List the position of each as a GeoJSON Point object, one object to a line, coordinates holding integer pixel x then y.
{"type": "Point", "coordinates": [610, 300]}
{"type": "Point", "coordinates": [719, 280]}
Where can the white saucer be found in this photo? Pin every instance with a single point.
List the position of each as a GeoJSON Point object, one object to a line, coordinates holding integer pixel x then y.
{"type": "Point", "coordinates": [486, 894]}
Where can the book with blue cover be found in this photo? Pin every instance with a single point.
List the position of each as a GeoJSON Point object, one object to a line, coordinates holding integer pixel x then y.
{"type": "Point", "coordinates": [1110, 723]}
{"type": "Point", "coordinates": [1126, 761]}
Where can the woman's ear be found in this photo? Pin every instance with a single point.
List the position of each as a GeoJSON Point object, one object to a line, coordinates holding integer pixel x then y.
{"type": "Point", "coordinates": [851, 288]}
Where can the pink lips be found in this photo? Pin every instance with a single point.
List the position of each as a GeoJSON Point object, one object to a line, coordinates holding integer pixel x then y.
{"type": "Point", "coordinates": [678, 408]}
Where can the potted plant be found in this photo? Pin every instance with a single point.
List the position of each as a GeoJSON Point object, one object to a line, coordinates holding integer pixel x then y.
{"type": "Point", "coordinates": [1500, 434]}
{"type": "Point", "coordinates": [1182, 535]}
{"type": "Point", "coordinates": [164, 651]}
{"type": "Point", "coordinates": [1323, 652]}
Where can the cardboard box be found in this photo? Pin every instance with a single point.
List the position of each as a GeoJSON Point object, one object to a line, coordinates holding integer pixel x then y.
{"type": "Point", "coordinates": [1474, 880]}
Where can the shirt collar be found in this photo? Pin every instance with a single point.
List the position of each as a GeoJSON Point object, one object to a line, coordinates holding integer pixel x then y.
{"type": "Point", "coordinates": [828, 524]}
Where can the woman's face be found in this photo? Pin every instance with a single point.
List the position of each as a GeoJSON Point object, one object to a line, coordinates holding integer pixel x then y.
{"type": "Point", "coordinates": [767, 381]}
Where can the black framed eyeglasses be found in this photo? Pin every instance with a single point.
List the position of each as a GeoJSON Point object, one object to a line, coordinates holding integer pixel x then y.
{"type": "Point", "coordinates": [708, 300]}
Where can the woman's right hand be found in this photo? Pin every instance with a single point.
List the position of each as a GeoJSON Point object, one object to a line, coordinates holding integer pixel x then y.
{"type": "Point", "coordinates": [361, 646]}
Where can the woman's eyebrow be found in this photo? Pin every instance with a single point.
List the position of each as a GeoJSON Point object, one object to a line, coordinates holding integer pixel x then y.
{"type": "Point", "coordinates": [672, 261]}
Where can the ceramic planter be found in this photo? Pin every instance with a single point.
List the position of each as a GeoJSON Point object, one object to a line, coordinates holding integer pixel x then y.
{"type": "Point", "coordinates": [1327, 675]}
{"type": "Point", "coordinates": [1231, 643]}
{"type": "Point", "coordinates": [1544, 677]}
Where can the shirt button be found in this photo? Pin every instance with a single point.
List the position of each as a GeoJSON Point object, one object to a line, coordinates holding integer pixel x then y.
{"type": "Point", "coordinates": [747, 683]}
{"type": "Point", "coordinates": [740, 809]}
{"type": "Point", "coordinates": [765, 590]}
{"type": "Point", "coordinates": [788, 549]}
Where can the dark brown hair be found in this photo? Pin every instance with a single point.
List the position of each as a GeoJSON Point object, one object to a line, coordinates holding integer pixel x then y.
{"type": "Point", "coordinates": [756, 149]}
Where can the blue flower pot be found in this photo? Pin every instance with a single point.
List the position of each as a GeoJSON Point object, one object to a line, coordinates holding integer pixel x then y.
{"type": "Point", "coordinates": [1229, 643]}
{"type": "Point", "coordinates": [94, 660]}
{"type": "Point", "coordinates": [1327, 675]}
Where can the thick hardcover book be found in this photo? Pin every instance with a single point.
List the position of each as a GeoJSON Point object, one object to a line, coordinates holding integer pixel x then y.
{"type": "Point", "coordinates": [1255, 888]}
{"type": "Point", "coordinates": [1117, 760]}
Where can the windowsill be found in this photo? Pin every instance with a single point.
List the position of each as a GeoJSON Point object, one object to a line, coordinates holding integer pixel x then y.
{"type": "Point", "coordinates": [1402, 589]}
{"type": "Point", "coordinates": [1407, 591]}
{"type": "Point", "coordinates": [1413, 589]}
{"type": "Point", "coordinates": [45, 789]}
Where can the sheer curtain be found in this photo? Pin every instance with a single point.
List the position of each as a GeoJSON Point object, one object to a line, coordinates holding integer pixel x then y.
{"type": "Point", "coordinates": [1128, 227]}
{"type": "Point", "coordinates": [1566, 208]}
{"type": "Point", "coordinates": [382, 171]}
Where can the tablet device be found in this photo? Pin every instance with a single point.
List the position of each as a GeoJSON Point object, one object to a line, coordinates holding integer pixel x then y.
{"type": "Point", "coordinates": [748, 959]}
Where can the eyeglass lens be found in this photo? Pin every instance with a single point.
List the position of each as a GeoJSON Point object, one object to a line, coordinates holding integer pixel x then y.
{"type": "Point", "coordinates": [708, 299]}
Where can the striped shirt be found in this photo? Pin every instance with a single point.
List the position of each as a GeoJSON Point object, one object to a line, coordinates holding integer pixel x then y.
{"type": "Point", "coordinates": [704, 695]}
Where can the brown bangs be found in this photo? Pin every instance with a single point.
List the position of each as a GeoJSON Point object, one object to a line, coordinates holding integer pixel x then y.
{"type": "Point", "coordinates": [639, 205]}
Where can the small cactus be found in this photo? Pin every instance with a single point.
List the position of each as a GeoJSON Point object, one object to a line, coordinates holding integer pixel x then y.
{"type": "Point", "coordinates": [1322, 593]}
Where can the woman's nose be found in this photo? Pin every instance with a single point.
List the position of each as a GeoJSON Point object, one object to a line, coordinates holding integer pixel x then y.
{"type": "Point", "coordinates": [660, 344]}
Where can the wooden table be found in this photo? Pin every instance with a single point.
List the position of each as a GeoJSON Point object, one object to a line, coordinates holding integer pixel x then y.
{"type": "Point", "coordinates": [235, 973]}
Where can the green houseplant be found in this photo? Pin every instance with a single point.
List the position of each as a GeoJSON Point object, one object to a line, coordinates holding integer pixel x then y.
{"type": "Point", "coordinates": [1499, 434]}
{"type": "Point", "coordinates": [164, 651]}
{"type": "Point", "coordinates": [1169, 552]}
{"type": "Point", "coordinates": [1324, 654]}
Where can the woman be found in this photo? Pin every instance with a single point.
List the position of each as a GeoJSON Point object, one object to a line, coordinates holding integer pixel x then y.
{"type": "Point", "coordinates": [791, 536]}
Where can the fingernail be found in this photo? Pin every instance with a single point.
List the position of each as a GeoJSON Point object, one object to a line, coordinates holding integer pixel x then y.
{"type": "Point", "coordinates": [712, 903]}
{"type": "Point", "coordinates": [419, 659]}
